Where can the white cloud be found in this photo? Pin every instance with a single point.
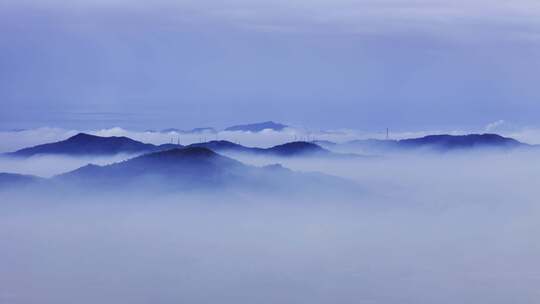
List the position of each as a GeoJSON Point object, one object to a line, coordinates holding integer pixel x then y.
{"type": "Point", "coordinates": [429, 230]}
{"type": "Point", "coordinates": [494, 126]}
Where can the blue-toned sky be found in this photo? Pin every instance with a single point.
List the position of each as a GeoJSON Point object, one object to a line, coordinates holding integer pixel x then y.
{"type": "Point", "coordinates": [409, 65]}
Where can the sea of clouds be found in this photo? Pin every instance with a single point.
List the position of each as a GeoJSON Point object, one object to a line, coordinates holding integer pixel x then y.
{"type": "Point", "coordinates": [428, 228]}
{"type": "Point", "coordinates": [453, 228]}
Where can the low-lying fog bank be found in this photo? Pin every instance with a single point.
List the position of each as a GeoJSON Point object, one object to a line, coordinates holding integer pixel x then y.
{"type": "Point", "coordinates": [457, 228]}
{"type": "Point", "coordinates": [492, 176]}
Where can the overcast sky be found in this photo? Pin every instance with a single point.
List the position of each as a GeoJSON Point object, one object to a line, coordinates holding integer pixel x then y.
{"type": "Point", "coordinates": [409, 65]}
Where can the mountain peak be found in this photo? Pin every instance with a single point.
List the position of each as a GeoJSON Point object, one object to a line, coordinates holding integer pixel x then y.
{"type": "Point", "coordinates": [85, 137]}
{"type": "Point", "coordinates": [82, 135]}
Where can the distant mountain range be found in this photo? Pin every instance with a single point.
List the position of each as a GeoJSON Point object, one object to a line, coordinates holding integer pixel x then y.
{"type": "Point", "coordinates": [200, 166]}
{"type": "Point", "coordinates": [434, 143]}
{"type": "Point", "coordinates": [258, 127]}
{"type": "Point", "coordinates": [84, 144]}
{"type": "Point", "coordinates": [253, 127]}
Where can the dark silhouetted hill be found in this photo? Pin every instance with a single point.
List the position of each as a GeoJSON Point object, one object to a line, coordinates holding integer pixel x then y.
{"type": "Point", "coordinates": [194, 168]}
{"type": "Point", "coordinates": [436, 143]}
{"type": "Point", "coordinates": [471, 141]}
{"type": "Point", "coordinates": [298, 148]}
{"type": "Point", "coordinates": [192, 163]}
{"type": "Point", "coordinates": [433, 143]}
{"type": "Point", "coordinates": [292, 149]}
{"type": "Point", "coordinates": [86, 144]}
{"type": "Point", "coordinates": [177, 168]}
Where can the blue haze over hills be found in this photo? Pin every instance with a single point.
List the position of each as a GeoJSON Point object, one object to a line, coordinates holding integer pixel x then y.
{"type": "Point", "coordinates": [200, 166]}
{"type": "Point", "coordinates": [85, 144]}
